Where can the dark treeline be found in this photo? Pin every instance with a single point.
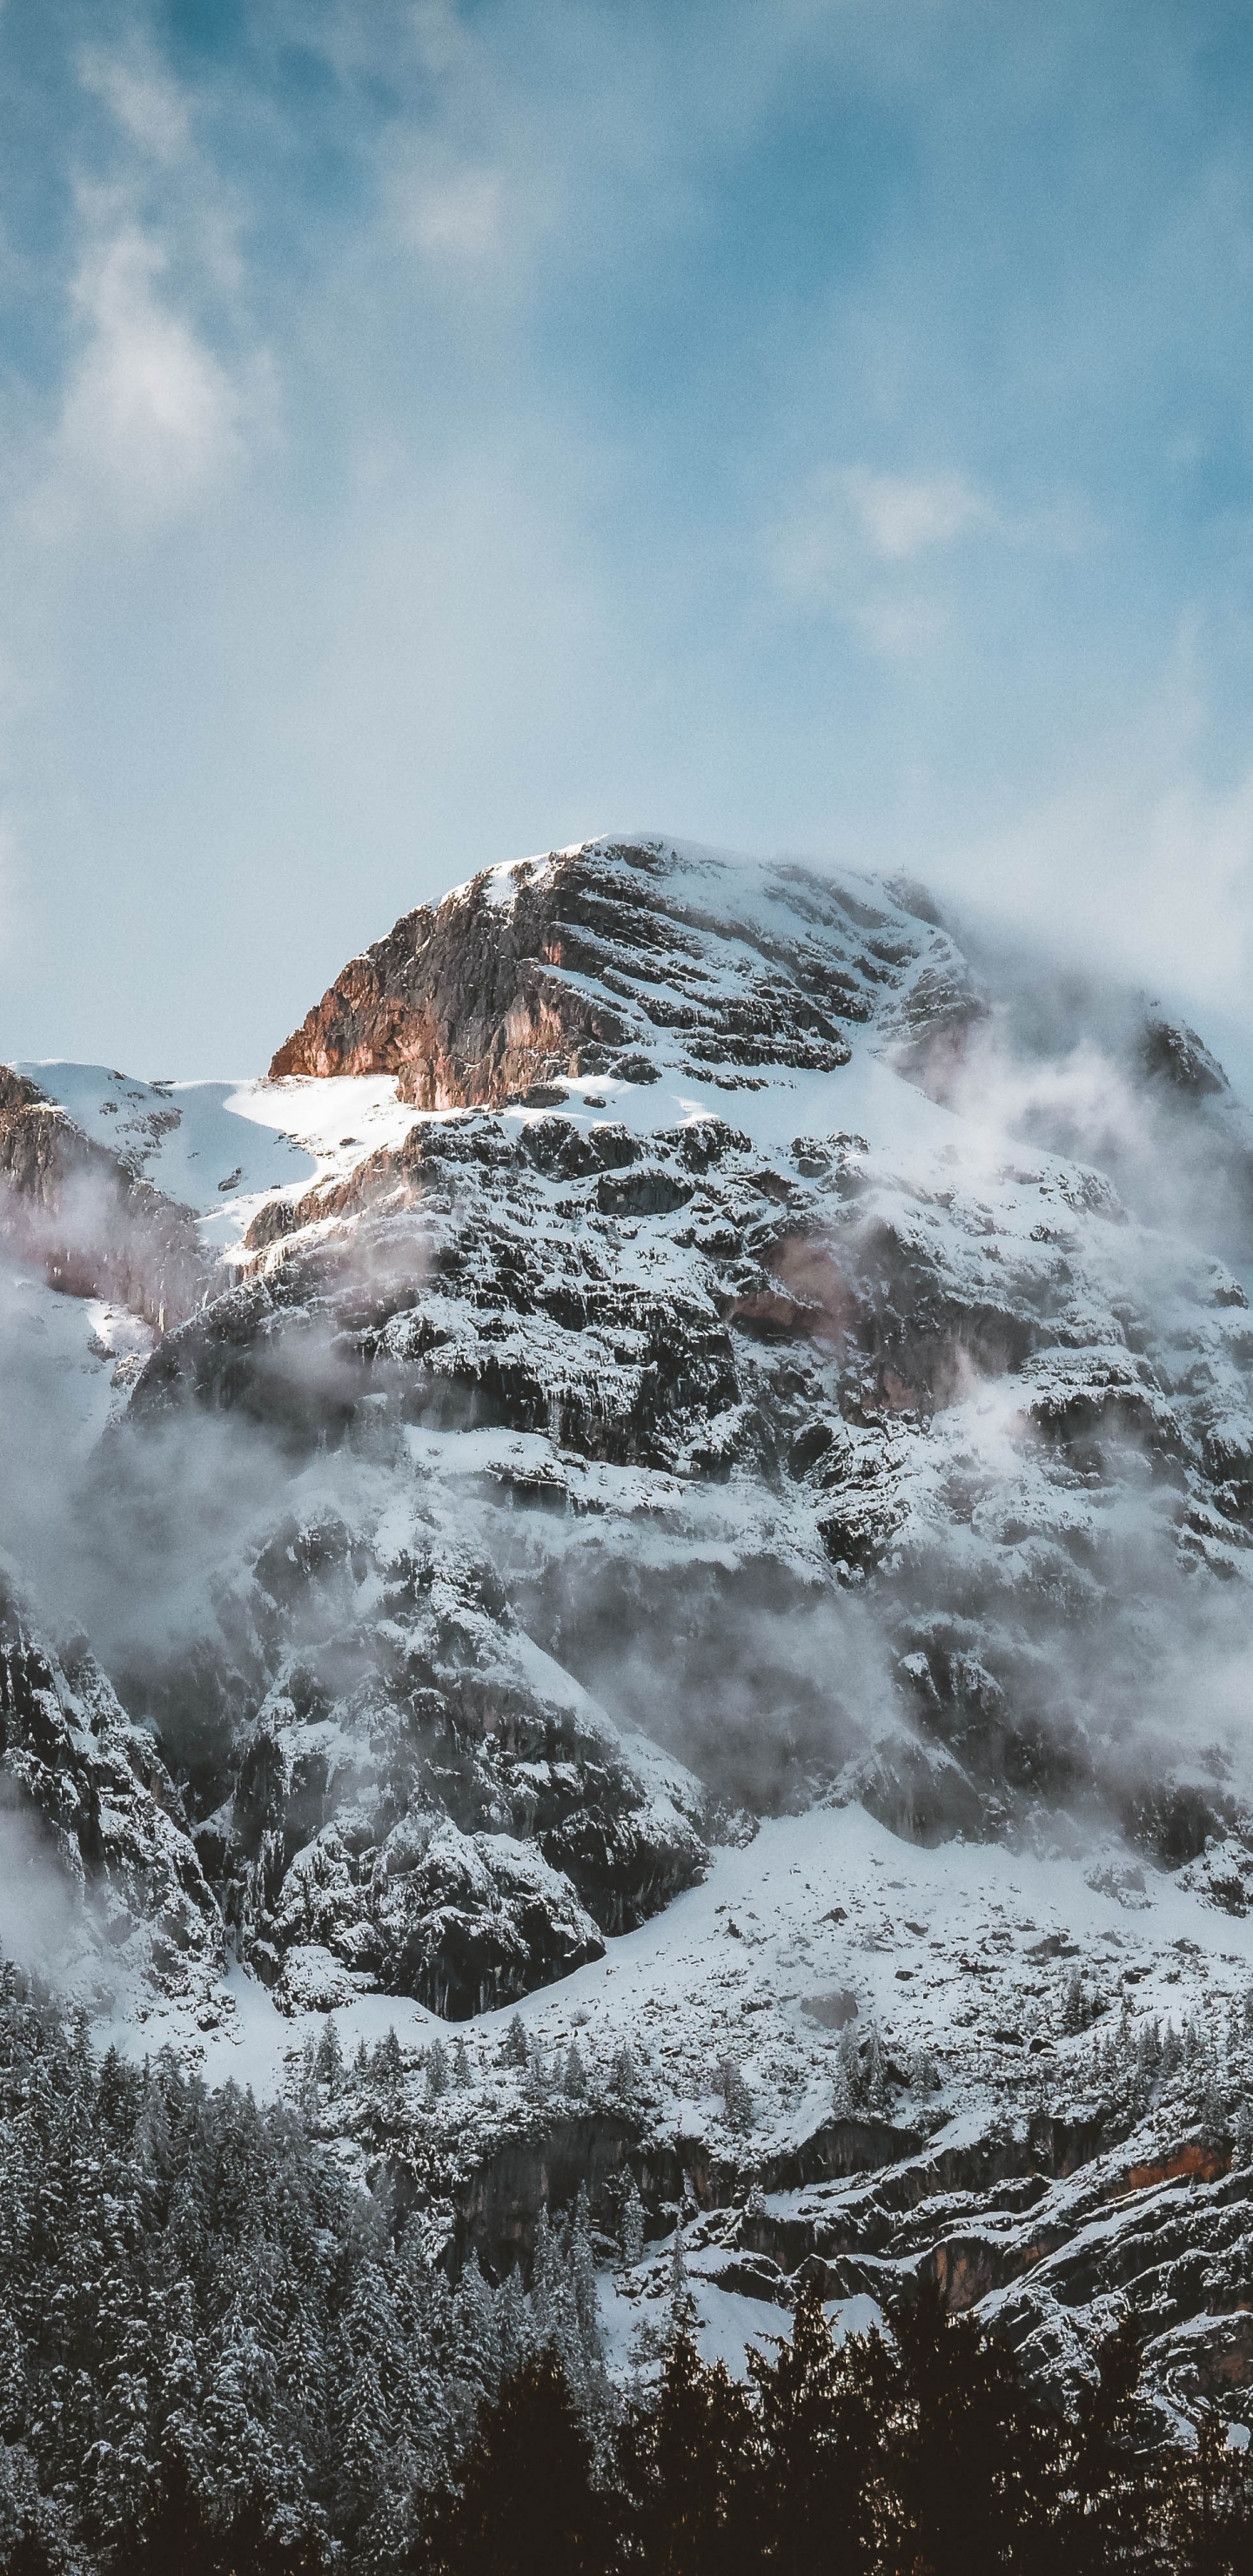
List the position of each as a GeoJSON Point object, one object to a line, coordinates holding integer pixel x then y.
{"type": "Point", "coordinates": [220, 2357]}
{"type": "Point", "coordinates": [925, 2455]}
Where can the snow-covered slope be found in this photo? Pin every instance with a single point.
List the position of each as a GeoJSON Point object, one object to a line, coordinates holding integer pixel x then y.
{"type": "Point", "coordinates": [223, 1147]}
{"type": "Point", "coordinates": [682, 1504]}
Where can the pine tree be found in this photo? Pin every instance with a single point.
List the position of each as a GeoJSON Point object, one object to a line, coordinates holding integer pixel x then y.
{"type": "Point", "coordinates": [525, 2504]}
{"type": "Point", "coordinates": [874, 2076]}
{"type": "Point", "coordinates": [476, 2332]}
{"type": "Point", "coordinates": [823, 2425]}
{"type": "Point", "coordinates": [623, 2077]}
{"type": "Point", "coordinates": [387, 2076]}
{"type": "Point", "coordinates": [365, 2439]}
{"type": "Point", "coordinates": [176, 2531]}
{"type": "Point", "coordinates": [513, 2324]}
{"type": "Point", "coordinates": [461, 2074]}
{"type": "Point", "coordinates": [683, 2317]}
{"type": "Point", "coordinates": [687, 2466]}
{"type": "Point", "coordinates": [971, 2462]}
{"type": "Point", "coordinates": [737, 2099]}
{"type": "Point", "coordinates": [437, 2075]}
{"type": "Point", "coordinates": [849, 2083]}
{"type": "Point", "coordinates": [1242, 2132]}
{"type": "Point", "coordinates": [328, 2065]}
{"type": "Point", "coordinates": [630, 2223]}
{"type": "Point", "coordinates": [515, 2047]}
{"type": "Point", "coordinates": [1214, 2114]}
{"type": "Point", "coordinates": [581, 2264]}
{"type": "Point", "coordinates": [574, 2081]}
{"type": "Point", "coordinates": [1210, 2504]}
{"type": "Point", "coordinates": [1110, 2498]}
{"type": "Point", "coordinates": [1076, 2014]}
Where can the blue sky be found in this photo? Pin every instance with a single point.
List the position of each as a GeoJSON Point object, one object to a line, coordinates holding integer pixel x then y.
{"type": "Point", "coordinates": [435, 432]}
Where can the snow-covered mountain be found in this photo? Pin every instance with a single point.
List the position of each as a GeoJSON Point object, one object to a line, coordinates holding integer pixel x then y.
{"type": "Point", "coordinates": [684, 1463]}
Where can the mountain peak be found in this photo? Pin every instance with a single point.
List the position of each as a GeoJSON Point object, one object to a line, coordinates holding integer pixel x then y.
{"type": "Point", "coordinates": [616, 954]}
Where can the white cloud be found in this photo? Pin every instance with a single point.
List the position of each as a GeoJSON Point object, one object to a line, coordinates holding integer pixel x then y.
{"type": "Point", "coordinates": [458, 216]}
{"type": "Point", "coordinates": [1139, 873]}
{"type": "Point", "coordinates": [876, 550]}
{"type": "Point", "coordinates": [861, 546]}
{"type": "Point", "coordinates": [146, 103]}
{"type": "Point", "coordinates": [150, 418]}
{"type": "Point", "coordinates": [900, 516]}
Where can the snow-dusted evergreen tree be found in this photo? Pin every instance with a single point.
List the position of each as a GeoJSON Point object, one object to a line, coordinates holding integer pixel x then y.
{"type": "Point", "coordinates": [874, 2073]}
{"type": "Point", "coordinates": [476, 2334]}
{"type": "Point", "coordinates": [581, 2264]}
{"type": "Point", "coordinates": [736, 2097]}
{"type": "Point", "coordinates": [624, 2082]}
{"type": "Point", "coordinates": [1242, 2132]}
{"type": "Point", "coordinates": [1076, 2009]}
{"type": "Point", "coordinates": [1214, 2113]}
{"type": "Point", "coordinates": [682, 2314]}
{"type": "Point", "coordinates": [630, 2223]}
{"type": "Point", "coordinates": [515, 2047]}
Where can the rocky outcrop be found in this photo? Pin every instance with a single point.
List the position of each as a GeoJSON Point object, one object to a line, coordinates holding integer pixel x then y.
{"type": "Point", "coordinates": [92, 1226]}
{"type": "Point", "coordinates": [571, 965]}
{"type": "Point", "coordinates": [103, 1845]}
{"type": "Point", "coordinates": [415, 1802]}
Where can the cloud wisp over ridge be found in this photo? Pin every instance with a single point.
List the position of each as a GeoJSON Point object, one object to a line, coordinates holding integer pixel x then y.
{"type": "Point", "coordinates": [431, 431]}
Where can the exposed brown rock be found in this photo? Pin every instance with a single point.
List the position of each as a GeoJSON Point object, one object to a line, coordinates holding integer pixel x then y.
{"type": "Point", "coordinates": [474, 1003]}
{"type": "Point", "coordinates": [462, 1003]}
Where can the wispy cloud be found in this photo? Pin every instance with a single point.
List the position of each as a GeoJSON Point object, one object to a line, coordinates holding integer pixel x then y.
{"type": "Point", "coordinates": [901, 516]}
{"type": "Point", "coordinates": [1143, 865]}
{"type": "Point", "coordinates": [878, 549]}
{"type": "Point", "coordinates": [454, 424]}
{"type": "Point", "coordinates": [150, 107]}
{"type": "Point", "coordinates": [861, 546]}
{"type": "Point", "coordinates": [151, 419]}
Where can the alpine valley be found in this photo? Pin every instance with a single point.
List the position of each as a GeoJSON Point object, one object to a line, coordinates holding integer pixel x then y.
{"type": "Point", "coordinates": [631, 1578]}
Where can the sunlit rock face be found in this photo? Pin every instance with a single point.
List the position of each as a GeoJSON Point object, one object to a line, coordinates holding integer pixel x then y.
{"type": "Point", "coordinates": [570, 964]}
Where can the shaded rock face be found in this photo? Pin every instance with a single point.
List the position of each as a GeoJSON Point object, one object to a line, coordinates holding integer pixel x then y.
{"type": "Point", "coordinates": [91, 1225]}
{"type": "Point", "coordinates": [410, 1791]}
{"type": "Point", "coordinates": [801, 1344]}
{"type": "Point", "coordinates": [95, 1808]}
{"type": "Point", "coordinates": [475, 1002]}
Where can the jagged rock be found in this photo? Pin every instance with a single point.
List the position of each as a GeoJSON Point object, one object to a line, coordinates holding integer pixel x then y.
{"type": "Point", "coordinates": [105, 1820]}
{"type": "Point", "coordinates": [473, 1003]}
{"type": "Point", "coordinates": [409, 1787]}
{"type": "Point", "coordinates": [1174, 1054]}
{"type": "Point", "coordinates": [92, 1226]}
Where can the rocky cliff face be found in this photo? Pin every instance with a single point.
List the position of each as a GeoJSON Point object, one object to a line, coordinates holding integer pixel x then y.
{"type": "Point", "coordinates": [89, 1800]}
{"type": "Point", "coordinates": [722, 1396]}
{"type": "Point", "coordinates": [927, 1370]}
{"type": "Point", "coordinates": [574, 964]}
{"type": "Point", "coordinates": [92, 1225]}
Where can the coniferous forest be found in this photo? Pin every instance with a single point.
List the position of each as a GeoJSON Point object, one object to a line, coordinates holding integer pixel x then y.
{"type": "Point", "coordinates": [219, 2353]}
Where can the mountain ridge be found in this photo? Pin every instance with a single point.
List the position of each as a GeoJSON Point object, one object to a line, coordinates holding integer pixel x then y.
{"type": "Point", "coordinates": [686, 1407]}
